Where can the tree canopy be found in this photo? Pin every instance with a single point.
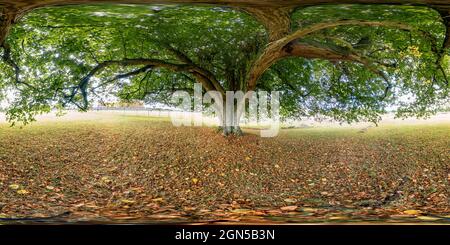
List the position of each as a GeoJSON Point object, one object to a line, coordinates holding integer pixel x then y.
{"type": "Point", "coordinates": [349, 62]}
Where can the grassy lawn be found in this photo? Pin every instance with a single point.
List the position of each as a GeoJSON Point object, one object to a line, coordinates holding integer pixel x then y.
{"type": "Point", "coordinates": [141, 168]}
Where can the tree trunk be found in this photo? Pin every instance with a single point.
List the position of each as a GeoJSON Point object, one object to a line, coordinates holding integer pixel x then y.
{"type": "Point", "coordinates": [230, 116]}
{"type": "Point", "coordinates": [230, 123]}
{"type": "Point", "coordinates": [7, 19]}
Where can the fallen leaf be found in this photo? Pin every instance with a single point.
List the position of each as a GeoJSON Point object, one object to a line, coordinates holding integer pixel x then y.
{"type": "Point", "coordinates": [289, 208]}
{"type": "Point", "coordinates": [290, 200]}
{"type": "Point", "coordinates": [79, 205]}
{"type": "Point", "coordinates": [428, 218]}
{"type": "Point", "coordinates": [241, 211]}
{"type": "Point", "coordinates": [22, 192]}
{"type": "Point", "coordinates": [274, 212]}
{"type": "Point", "coordinates": [338, 218]}
{"type": "Point", "coordinates": [412, 212]}
{"type": "Point", "coordinates": [310, 210]}
{"type": "Point", "coordinates": [189, 208]}
{"type": "Point", "coordinates": [14, 186]}
{"type": "Point", "coordinates": [106, 180]}
{"type": "Point", "coordinates": [127, 201]}
{"type": "Point", "coordinates": [159, 199]}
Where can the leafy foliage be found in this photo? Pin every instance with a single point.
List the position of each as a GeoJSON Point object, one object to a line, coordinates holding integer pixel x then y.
{"type": "Point", "coordinates": [350, 92]}
{"type": "Point", "coordinates": [58, 48]}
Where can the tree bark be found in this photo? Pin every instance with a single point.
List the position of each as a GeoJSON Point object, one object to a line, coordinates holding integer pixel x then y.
{"type": "Point", "coordinates": [8, 17]}
{"type": "Point", "coordinates": [230, 118]}
{"type": "Point", "coordinates": [276, 20]}
{"type": "Point", "coordinates": [445, 15]}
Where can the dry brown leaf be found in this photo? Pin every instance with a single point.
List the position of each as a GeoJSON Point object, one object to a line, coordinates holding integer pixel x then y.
{"type": "Point", "coordinates": [412, 212]}
{"type": "Point", "coordinates": [289, 208]}
{"type": "Point", "coordinates": [22, 192]}
{"type": "Point", "coordinates": [338, 218]}
{"type": "Point", "coordinates": [290, 200]}
{"type": "Point", "coordinates": [127, 201]}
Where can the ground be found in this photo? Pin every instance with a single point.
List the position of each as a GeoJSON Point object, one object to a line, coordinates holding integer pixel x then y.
{"type": "Point", "coordinates": [125, 168]}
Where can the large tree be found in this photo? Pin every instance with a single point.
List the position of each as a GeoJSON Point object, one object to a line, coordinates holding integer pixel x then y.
{"type": "Point", "coordinates": [349, 62]}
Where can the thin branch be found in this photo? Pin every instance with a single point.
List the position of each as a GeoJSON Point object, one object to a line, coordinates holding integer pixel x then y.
{"type": "Point", "coordinates": [149, 63]}
{"type": "Point", "coordinates": [125, 75]}
{"type": "Point", "coordinates": [8, 60]}
{"type": "Point", "coordinates": [290, 85]}
{"type": "Point", "coordinates": [205, 73]}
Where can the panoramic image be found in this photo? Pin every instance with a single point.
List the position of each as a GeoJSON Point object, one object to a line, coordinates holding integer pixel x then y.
{"type": "Point", "coordinates": [253, 113]}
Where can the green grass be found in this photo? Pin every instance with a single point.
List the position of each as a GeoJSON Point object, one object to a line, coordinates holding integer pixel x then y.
{"type": "Point", "coordinates": [420, 131]}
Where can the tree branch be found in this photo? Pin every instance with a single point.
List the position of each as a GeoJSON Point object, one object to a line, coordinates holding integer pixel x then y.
{"type": "Point", "coordinates": [276, 20]}
{"type": "Point", "coordinates": [148, 63]}
{"type": "Point", "coordinates": [7, 19]}
{"type": "Point", "coordinates": [204, 73]}
{"type": "Point", "coordinates": [445, 45]}
{"type": "Point", "coordinates": [332, 53]}
{"type": "Point", "coordinates": [8, 16]}
{"type": "Point", "coordinates": [274, 51]}
{"type": "Point", "coordinates": [290, 85]}
{"type": "Point", "coordinates": [8, 60]}
{"type": "Point", "coordinates": [125, 75]}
